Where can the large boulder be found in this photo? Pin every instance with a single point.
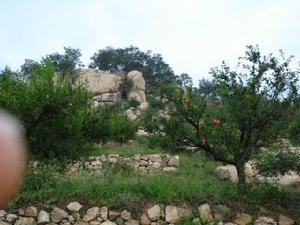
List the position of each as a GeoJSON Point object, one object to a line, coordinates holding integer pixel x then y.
{"type": "Point", "coordinates": [137, 91]}
{"type": "Point", "coordinates": [99, 82]}
{"type": "Point", "coordinates": [106, 89]}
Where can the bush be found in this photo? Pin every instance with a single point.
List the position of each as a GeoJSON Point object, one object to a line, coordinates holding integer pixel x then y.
{"type": "Point", "coordinates": [107, 124]}
{"type": "Point", "coordinates": [121, 128]}
{"type": "Point", "coordinates": [97, 126]}
{"type": "Point", "coordinates": [51, 109]}
{"type": "Point", "coordinates": [294, 128]}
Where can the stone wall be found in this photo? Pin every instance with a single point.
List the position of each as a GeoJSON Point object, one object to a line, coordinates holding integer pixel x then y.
{"type": "Point", "coordinates": [96, 165]}
{"type": "Point", "coordinates": [157, 214]}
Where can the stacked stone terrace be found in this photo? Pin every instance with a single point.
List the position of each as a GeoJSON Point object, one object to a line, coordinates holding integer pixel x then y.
{"type": "Point", "coordinates": [151, 163]}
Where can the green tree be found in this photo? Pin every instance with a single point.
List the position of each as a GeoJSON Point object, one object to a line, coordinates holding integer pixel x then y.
{"type": "Point", "coordinates": [246, 115]}
{"type": "Point", "coordinates": [64, 64]}
{"type": "Point", "coordinates": [53, 111]}
{"type": "Point", "coordinates": [151, 65]}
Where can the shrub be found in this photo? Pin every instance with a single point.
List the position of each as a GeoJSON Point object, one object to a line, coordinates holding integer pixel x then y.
{"type": "Point", "coordinates": [294, 128]}
{"type": "Point", "coordinates": [97, 126]}
{"type": "Point", "coordinates": [121, 128]}
{"type": "Point", "coordinates": [107, 124]}
{"type": "Point", "coordinates": [51, 109]}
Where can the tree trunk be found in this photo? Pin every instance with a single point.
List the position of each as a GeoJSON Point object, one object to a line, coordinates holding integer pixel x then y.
{"type": "Point", "coordinates": [240, 167]}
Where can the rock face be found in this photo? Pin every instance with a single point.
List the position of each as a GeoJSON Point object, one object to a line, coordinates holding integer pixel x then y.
{"type": "Point", "coordinates": [106, 88]}
{"type": "Point", "coordinates": [99, 82]}
{"type": "Point", "coordinates": [137, 91]}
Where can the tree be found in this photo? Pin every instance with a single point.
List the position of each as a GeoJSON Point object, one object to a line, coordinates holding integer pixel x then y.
{"type": "Point", "coordinates": [207, 88]}
{"type": "Point", "coordinates": [151, 65]}
{"type": "Point", "coordinates": [64, 64]}
{"type": "Point", "coordinates": [245, 117]}
{"type": "Point", "coordinates": [184, 80]}
{"type": "Point", "coordinates": [52, 111]}
{"type": "Point", "coordinates": [67, 63]}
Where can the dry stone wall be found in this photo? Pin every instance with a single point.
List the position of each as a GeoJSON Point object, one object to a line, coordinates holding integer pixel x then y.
{"type": "Point", "coordinates": [97, 165]}
{"type": "Point", "coordinates": [157, 214]}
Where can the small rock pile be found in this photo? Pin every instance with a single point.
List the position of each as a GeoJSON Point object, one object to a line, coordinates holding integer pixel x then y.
{"type": "Point", "coordinates": [154, 215]}
{"type": "Point", "coordinates": [96, 165]}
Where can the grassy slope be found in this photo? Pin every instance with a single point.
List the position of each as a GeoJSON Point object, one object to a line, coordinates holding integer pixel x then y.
{"type": "Point", "coordinates": [193, 183]}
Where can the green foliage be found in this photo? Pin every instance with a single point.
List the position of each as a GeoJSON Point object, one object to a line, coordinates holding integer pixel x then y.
{"type": "Point", "coordinates": [97, 126]}
{"type": "Point", "coordinates": [125, 86]}
{"type": "Point", "coordinates": [151, 65]}
{"type": "Point", "coordinates": [294, 128]}
{"type": "Point", "coordinates": [207, 88]}
{"type": "Point", "coordinates": [64, 64]}
{"type": "Point", "coordinates": [107, 125]}
{"type": "Point", "coordinates": [51, 109]}
{"type": "Point", "coordinates": [194, 182]}
{"type": "Point", "coordinates": [184, 80]}
{"type": "Point", "coordinates": [249, 106]}
{"type": "Point", "coordinates": [151, 119]}
{"type": "Point", "coordinates": [121, 128]}
{"type": "Point", "coordinates": [274, 163]}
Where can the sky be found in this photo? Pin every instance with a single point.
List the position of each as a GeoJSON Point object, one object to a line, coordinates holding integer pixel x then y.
{"type": "Point", "coordinates": [191, 35]}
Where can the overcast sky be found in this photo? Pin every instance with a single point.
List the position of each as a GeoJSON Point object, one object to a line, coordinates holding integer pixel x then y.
{"type": "Point", "coordinates": [191, 35]}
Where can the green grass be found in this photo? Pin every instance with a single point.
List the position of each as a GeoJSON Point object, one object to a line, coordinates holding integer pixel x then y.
{"type": "Point", "coordinates": [140, 146]}
{"type": "Point", "coordinates": [193, 183]}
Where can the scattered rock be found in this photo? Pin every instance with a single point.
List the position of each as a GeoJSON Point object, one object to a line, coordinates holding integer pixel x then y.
{"type": "Point", "coordinates": [95, 222]}
{"type": "Point", "coordinates": [221, 212]}
{"type": "Point", "coordinates": [74, 206]}
{"type": "Point", "coordinates": [112, 215]}
{"type": "Point", "coordinates": [91, 214]}
{"type": "Point", "coordinates": [11, 218]}
{"type": "Point", "coordinates": [2, 213]}
{"type": "Point", "coordinates": [104, 213]}
{"type": "Point", "coordinates": [227, 172]}
{"type": "Point", "coordinates": [107, 222]}
{"type": "Point", "coordinates": [242, 219]}
{"type": "Point", "coordinates": [58, 215]}
{"type": "Point", "coordinates": [132, 222]}
{"type": "Point", "coordinates": [25, 221]}
{"type": "Point", "coordinates": [262, 220]}
{"type": "Point", "coordinates": [31, 211]}
{"type": "Point", "coordinates": [174, 213]}
{"type": "Point", "coordinates": [284, 220]}
{"type": "Point", "coordinates": [119, 221]}
{"type": "Point", "coordinates": [174, 161]}
{"type": "Point", "coordinates": [126, 215]}
{"type": "Point", "coordinates": [43, 217]}
{"type": "Point", "coordinates": [154, 213]}
{"type": "Point", "coordinates": [3, 223]}
{"type": "Point", "coordinates": [205, 213]}
{"type": "Point", "coordinates": [80, 223]}
{"type": "Point", "coordinates": [145, 220]}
